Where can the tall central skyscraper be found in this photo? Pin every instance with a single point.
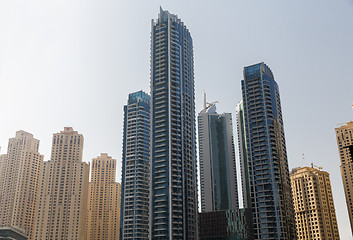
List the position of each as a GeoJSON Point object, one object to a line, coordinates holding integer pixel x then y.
{"type": "Point", "coordinates": [264, 162]}
{"type": "Point", "coordinates": [173, 206]}
{"type": "Point", "coordinates": [217, 160]}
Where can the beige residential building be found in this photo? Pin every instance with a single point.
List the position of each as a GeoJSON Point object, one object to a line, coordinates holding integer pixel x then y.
{"type": "Point", "coordinates": [19, 182]}
{"type": "Point", "coordinates": [62, 205]}
{"type": "Point", "coordinates": [104, 200]}
{"type": "Point", "coordinates": [2, 161]}
{"type": "Point", "coordinates": [314, 209]}
{"type": "Point", "coordinates": [344, 136]}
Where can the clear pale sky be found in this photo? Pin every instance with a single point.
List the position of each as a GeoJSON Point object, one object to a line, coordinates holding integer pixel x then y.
{"type": "Point", "coordinates": [73, 63]}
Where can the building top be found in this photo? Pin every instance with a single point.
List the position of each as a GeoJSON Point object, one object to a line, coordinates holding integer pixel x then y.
{"type": "Point", "coordinates": [103, 156]}
{"type": "Point", "coordinates": [254, 70]}
{"type": "Point", "coordinates": [68, 130]}
{"type": "Point", "coordinates": [345, 125]}
{"type": "Point", "coordinates": [164, 15]}
{"type": "Point", "coordinates": [208, 107]}
{"type": "Point", "coordinates": [22, 133]}
{"type": "Point", "coordinates": [138, 96]}
{"type": "Point", "coordinates": [300, 170]}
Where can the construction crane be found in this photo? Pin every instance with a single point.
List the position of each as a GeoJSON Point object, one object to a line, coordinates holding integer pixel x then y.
{"type": "Point", "coordinates": [313, 165]}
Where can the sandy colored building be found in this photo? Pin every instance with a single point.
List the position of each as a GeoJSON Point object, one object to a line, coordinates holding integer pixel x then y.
{"type": "Point", "coordinates": [344, 137]}
{"type": "Point", "coordinates": [315, 213]}
{"type": "Point", "coordinates": [103, 219]}
{"type": "Point", "coordinates": [62, 205]}
{"type": "Point", "coordinates": [19, 181]}
{"type": "Point", "coordinates": [2, 161]}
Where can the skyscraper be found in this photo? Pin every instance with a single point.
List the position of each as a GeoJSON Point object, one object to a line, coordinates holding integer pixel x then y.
{"type": "Point", "coordinates": [104, 200]}
{"type": "Point", "coordinates": [313, 204]}
{"type": "Point", "coordinates": [268, 179]}
{"type": "Point", "coordinates": [217, 160]}
{"type": "Point", "coordinates": [19, 180]}
{"type": "Point", "coordinates": [135, 167]}
{"type": "Point", "coordinates": [173, 209]}
{"type": "Point", "coordinates": [62, 203]}
{"type": "Point", "coordinates": [344, 137]}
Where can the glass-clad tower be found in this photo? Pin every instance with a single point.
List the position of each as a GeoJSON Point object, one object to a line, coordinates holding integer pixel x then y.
{"type": "Point", "coordinates": [173, 209]}
{"type": "Point", "coordinates": [135, 168]}
{"type": "Point", "coordinates": [217, 160]}
{"type": "Point", "coordinates": [267, 173]}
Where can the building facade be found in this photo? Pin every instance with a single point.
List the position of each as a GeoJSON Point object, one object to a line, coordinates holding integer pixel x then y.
{"type": "Point", "coordinates": [136, 167]}
{"type": "Point", "coordinates": [104, 200]}
{"type": "Point", "coordinates": [223, 225]}
{"type": "Point", "coordinates": [315, 213]}
{"type": "Point", "coordinates": [266, 174]}
{"type": "Point", "coordinates": [2, 163]}
{"type": "Point", "coordinates": [218, 175]}
{"type": "Point", "coordinates": [12, 233]}
{"type": "Point", "coordinates": [173, 206]}
{"type": "Point", "coordinates": [19, 182]}
{"type": "Point", "coordinates": [344, 137]}
{"type": "Point", "coordinates": [61, 211]}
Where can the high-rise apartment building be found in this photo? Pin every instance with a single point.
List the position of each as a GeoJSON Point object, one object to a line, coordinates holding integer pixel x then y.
{"type": "Point", "coordinates": [135, 167]}
{"type": "Point", "coordinates": [104, 200]}
{"type": "Point", "coordinates": [344, 136]}
{"type": "Point", "coordinates": [217, 160]}
{"type": "Point", "coordinates": [19, 182]}
{"type": "Point", "coordinates": [315, 213]}
{"type": "Point", "coordinates": [265, 166]}
{"type": "Point", "coordinates": [2, 162]}
{"type": "Point", "coordinates": [62, 201]}
{"type": "Point", "coordinates": [173, 208]}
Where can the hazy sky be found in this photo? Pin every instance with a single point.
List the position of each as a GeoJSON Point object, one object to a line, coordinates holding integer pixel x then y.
{"type": "Point", "coordinates": [73, 63]}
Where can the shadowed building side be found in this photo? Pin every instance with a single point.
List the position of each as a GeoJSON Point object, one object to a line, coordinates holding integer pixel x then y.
{"type": "Point", "coordinates": [344, 137]}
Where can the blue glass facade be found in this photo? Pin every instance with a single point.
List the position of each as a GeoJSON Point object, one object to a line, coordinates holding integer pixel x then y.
{"type": "Point", "coordinates": [173, 193]}
{"type": "Point", "coordinates": [135, 168]}
{"type": "Point", "coordinates": [266, 158]}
